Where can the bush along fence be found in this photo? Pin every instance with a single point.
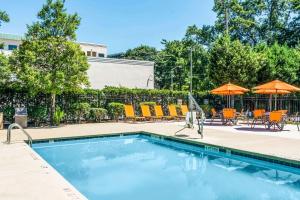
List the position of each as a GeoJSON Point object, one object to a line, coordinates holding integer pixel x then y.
{"type": "Point", "coordinates": [89, 105]}
{"type": "Point", "coordinates": [98, 105]}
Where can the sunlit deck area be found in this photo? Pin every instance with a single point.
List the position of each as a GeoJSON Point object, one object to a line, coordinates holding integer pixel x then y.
{"type": "Point", "coordinates": [22, 171]}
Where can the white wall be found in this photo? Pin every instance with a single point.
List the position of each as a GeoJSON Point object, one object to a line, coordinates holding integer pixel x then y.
{"type": "Point", "coordinates": [94, 47]}
{"type": "Point", "coordinates": [119, 72]}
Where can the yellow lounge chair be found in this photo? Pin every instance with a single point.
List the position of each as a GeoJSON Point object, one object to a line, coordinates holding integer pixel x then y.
{"type": "Point", "coordinates": [173, 112]}
{"type": "Point", "coordinates": [184, 110]}
{"type": "Point", "coordinates": [159, 113]}
{"type": "Point", "coordinates": [129, 113]}
{"type": "Point", "coordinates": [146, 113]}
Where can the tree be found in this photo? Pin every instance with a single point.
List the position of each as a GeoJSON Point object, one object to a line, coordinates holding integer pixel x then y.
{"type": "Point", "coordinates": [142, 52]}
{"type": "Point", "coordinates": [240, 18]}
{"type": "Point", "coordinates": [5, 73]}
{"type": "Point", "coordinates": [231, 61]}
{"type": "Point", "coordinates": [48, 60]}
{"type": "Point", "coordinates": [3, 17]}
{"type": "Point", "coordinates": [205, 35]}
{"type": "Point", "coordinates": [173, 63]}
{"type": "Point", "coordinates": [281, 62]}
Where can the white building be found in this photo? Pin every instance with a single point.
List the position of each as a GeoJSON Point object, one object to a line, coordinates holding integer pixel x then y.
{"type": "Point", "coordinates": [120, 72]}
{"type": "Point", "coordinates": [103, 71]}
{"type": "Point", "coordinates": [94, 50]}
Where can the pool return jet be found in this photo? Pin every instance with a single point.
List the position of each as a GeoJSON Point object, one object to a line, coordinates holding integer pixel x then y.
{"type": "Point", "coordinates": [194, 116]}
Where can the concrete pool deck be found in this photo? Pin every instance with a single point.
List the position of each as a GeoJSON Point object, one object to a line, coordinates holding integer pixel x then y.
{"type": "Point", "coordinates": [25, 175]}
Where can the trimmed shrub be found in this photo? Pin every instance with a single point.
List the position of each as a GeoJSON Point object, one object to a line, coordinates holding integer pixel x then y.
{"type": "Point", "coordinates": [97, 114]}
{"type": "Point", "coordinates": [206, 109]}
{"type": "Point", "coordinates": [38, 114]}
{"type": "Point", "coordinates": [115, 110]}
{"type": "Point", "coordinates": [8, 113]}
{"type": "Point", "coordinates": [149, 103]}
{"type": "Point", "coordinates": [81, 111]}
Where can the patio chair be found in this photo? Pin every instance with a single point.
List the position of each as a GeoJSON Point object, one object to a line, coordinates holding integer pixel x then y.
{"type": "Point", "coordinates": [146, 113]}
{"type": "Point", "coordinates": [214, 115]}
{"type": "Point", "coordinates": [296, 120]}
{"type": "Point", "coordinates": [159, 113]}
{"type": "Point", "coordinates": [173, 112]}
{"type": "Point", "coordinates": [276, 119]}
{"type": "Point", "coordinates": [129, 113]}
{"type": "Point", "coordinates": [258, 115]}
{"type": "Point", "coordinates": [184, 110]}
{"type": "Point", "coordinates": [229, 116]}
{"type": "Point", "coordinates": [283, 111]}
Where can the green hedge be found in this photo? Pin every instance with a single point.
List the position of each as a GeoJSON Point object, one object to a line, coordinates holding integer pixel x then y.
{"type": "Point", "coordinates": [10, 99]}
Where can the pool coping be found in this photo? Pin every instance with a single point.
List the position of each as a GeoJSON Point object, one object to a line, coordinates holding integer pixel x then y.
{"type": "Point", "coordinates": [207, 146]}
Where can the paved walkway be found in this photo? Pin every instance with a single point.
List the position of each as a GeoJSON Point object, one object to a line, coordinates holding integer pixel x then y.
{"type": "Point", "coordinates": [24, 175]}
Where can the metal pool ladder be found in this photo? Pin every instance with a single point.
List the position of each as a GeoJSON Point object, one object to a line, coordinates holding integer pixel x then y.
{"type": "Point", "coordinates": [200, 116]}
{"type": "Point", "coordinates": [20, 127]}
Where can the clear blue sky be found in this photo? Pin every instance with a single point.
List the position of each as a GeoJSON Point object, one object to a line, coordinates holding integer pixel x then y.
{"type": "Point", "coordinates": [120, 24]}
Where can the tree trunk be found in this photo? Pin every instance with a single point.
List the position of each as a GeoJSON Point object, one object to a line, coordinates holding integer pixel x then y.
{"type": "Point", "coordinates": [52, 109]}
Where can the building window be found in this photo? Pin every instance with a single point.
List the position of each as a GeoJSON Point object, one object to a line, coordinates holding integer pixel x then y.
{"type": "Point", "coordinates": [101, 55]}
{"type": "Point", "coordinates": [94, 54]}
{"type": "Point", "coordinates": [88, 53]}
{"type": "Point", "coordinates": [12, 47]}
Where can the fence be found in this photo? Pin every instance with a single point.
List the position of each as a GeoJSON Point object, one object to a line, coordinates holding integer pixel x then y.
{"type": "Point", "coordinates": [101, 98]}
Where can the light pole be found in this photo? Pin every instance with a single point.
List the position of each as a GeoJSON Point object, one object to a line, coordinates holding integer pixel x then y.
{"type": "Point", "coordinates": [172, 74]}
{"type": "Point", "coordinates": [191, 69]}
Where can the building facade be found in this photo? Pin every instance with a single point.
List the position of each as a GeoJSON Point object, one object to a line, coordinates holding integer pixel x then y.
{"type": "Point", "coordinates": [103, 71]}
{"type": "Point", "coordinates": [120, 73]}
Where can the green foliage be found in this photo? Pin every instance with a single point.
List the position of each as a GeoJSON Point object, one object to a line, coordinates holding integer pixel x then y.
{"type": "Point", "coordinates": [3, 17]}
{"type": "Point", "coordinates": [153, 92]}
{"type": "Point", "coordinates": [38, 114]}
{"type": "Point", "coordinates": [142, 52]}
{"type": "Point", "coordinates": [259, 21]}
{"type": "Point", "coordinates": [280, 62]}
{"type": "Point", "coordinates": [149, 103]}
{"type": "Point", "coordinates": [58, 116]}
{"type": "Point", "coordinates": [115, 110]}
{"type": "Point", "coordinates": [206, 109]}
{"type": "Point", "coordinates": [97, 114]}
{"type": "Point", "coordinates": [49, 60]}
{"type": "Point", "coordinates": [231, 61]}
{"type": "Point", "coordinates": [80, 110]}
{"type": "Point", "coordinates": [8, 113]}
{"type": "Point", "coordinates": [54, 21]}
{"type": "Point", "coordinates": [5, 72]}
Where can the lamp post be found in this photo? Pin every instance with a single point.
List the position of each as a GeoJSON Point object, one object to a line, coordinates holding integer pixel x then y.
{"type": "Point", "coordinates": [172, 74]}
{"type": "Point", "coordinates": [191, 69]}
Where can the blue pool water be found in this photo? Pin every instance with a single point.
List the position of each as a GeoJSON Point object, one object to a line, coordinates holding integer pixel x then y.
{"type": "Point", "coordinates": [140, 167]}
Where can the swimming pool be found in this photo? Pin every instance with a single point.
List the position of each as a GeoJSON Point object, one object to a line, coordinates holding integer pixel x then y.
{"type": "Point", "coordinates": [142, 167]}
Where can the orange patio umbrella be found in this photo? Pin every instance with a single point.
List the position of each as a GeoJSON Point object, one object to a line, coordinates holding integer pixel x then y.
{"type": "Point", "coordinates": [265, 91]}
{"type": "Point", "coordinates": [229, 89]}
{"type": "Point", "coordinates": [275, 87]}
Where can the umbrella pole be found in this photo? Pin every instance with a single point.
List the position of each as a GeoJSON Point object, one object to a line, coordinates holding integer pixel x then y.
{"type": "Point", "coordinates": [275, 101]}
{"type": "Point", "coordinates": [270, 103]}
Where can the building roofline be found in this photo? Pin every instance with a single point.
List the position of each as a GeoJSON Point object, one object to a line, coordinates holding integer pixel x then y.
{"type": "Point", "coordinates": [15, 37]}
{"type": "Point", "coordinates": [120, 61]}
{"type": "Point", "coordinates": [10, 36]}
{"type": "Point", "coordinates": [92, 44]}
